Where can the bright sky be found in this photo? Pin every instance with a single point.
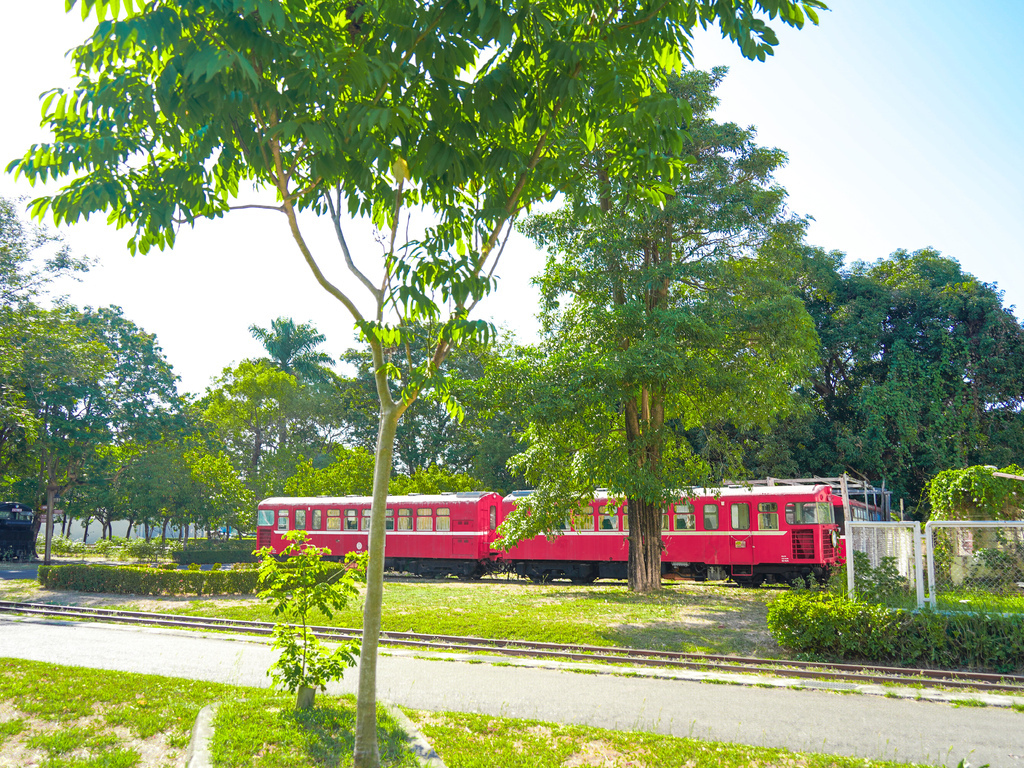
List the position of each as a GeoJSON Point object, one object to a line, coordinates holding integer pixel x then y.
{"type": "Point", "coordinates": [903, 121]}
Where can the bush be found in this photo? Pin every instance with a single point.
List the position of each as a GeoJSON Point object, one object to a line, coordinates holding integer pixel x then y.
{"type": "Point", "coordinates": [61, 546]}
{"type": "Point", "coordinates": [141, 580]}
{"type": "Point", "coordinates": [207, 552]}
{"type": "Point", "coordinates": [158, 580]}
{"type": "Point", "coordinates": [832, 626]}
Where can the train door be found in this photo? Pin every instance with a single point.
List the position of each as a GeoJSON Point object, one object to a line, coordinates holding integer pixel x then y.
{"type": "Point", "coordinates": [768, 541]}
{"type": "Point", "coordinates": [716, 535]}
{"type": "Point", "coordinates": [358, 541]}
{"type": "Point", "coordinates": [741, 542]}
{"type": "Point", "coordinates": [462, 521]}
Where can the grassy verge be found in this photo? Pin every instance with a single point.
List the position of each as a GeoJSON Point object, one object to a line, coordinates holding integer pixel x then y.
{"type": "Point", "coordinates": [69, 717]}
{"type": "Point", "coordinates": [478, 741]}
{"type": "Point", "coordinates": [684, 616]}
{"type": "Point", "coordinates": [66, 717]}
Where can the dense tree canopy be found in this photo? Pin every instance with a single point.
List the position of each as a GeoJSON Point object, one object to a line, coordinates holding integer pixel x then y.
{"type": "Point", "coordinates": [922, 370]}
{"type": "Point", "coordinates": [659, 320]}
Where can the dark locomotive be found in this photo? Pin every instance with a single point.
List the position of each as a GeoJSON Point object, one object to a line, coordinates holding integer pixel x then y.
{"type": "Point", "coordinates": [17, 533]}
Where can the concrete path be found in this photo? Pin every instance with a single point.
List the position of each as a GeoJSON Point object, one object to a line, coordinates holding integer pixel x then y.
{"type": "Point", "coordinates": [807, 720]}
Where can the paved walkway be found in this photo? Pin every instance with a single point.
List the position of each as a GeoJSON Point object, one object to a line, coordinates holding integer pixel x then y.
{"type": "Point", "coordinates": [808, 720]}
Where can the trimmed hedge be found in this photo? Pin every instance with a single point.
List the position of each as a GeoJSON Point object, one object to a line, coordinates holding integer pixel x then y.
{"type": "Point", "coordinates": [143, 580]}
{"type": "Point", "coordinates": [140, 580]}
{"type": "Point", "coordinates": [828, 625]}
{"type": "Point", "coordinates": [239, 552]}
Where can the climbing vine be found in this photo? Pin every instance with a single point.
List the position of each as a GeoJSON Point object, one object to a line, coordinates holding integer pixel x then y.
{"type": "Point", "coordinates": [975, 493]}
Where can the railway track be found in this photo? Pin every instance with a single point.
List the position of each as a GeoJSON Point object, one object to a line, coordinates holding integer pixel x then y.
{"type": "Point", "coordinates": [809, 670]}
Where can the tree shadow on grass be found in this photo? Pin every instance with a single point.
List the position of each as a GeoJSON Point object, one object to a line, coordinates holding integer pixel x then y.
{"type": "Point", "coordinates": [266, 730]}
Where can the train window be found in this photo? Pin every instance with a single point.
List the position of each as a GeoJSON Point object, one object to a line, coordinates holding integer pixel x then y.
{"type": "Point", "coordinates": [710, 515]}
{"type": "Point", "coordinates": [768, 521]}
{"type": "Point", "coordinates": [351, 519]}
{"type": "Point", "coordinates": [740, 516]}
{"type": "Point", "coordinates": [405, 519]}
{"type": "Point", "coordinates": [300, 519]}
{"type": "Point", "coordinates": [333, 519]}
{"type": "Point", "coordinates": [364, 521]}
{"type": "Point", "coordinates": [606, 518]}
{"type": "Point", "coordinates": [625, 517]}
{"type": "Point", "coordinates": [282, 520]}
{"type": "Point", "coordinates": [826, 514]}
{"type": "Point", "coordinates": [685, 519]}
{"type": "Point", "coordinates": [444, 520]}
{"type": "Point", "coordinates": [809, 512]}
{"type": "Point", "coordinates": [265, 517]}
{"type": "Point", "coordinates": [767, 506]}
{"type": "Point", "coordinates": [389, 519]}
{"type": "Point", "coordinates": [424, 520]}
{"type": "Point", "coordinates": [494, 517]}
{"type": "Point", "coordinates": [583, 520]}
{"type": "Point", "coordinates": [316, 522]}
{"type": "Point", "coordinates": [664, 521]}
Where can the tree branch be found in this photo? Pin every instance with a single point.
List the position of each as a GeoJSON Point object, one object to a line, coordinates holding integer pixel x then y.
{"type": "Point", "coordinates": [336, 218]}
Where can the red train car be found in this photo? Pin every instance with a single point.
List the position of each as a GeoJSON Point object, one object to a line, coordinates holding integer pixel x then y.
{"type": "Point", "coordinates": [447, 534]}
{"type": "Point", "coordinates": [751, 535]}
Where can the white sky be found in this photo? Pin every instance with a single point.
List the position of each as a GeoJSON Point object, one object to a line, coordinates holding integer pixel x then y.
{"type": "Point", "coordinates": [902, 121]}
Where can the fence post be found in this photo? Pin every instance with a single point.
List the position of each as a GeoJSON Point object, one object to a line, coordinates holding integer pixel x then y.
{"type": "Point", "coordinates": [930, 557]}
{"type": "Point", "coordinates": [918, 569]}
{"type": "Point", "coordinates": [850, 589]}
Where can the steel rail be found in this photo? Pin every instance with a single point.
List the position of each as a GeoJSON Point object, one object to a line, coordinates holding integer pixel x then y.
{"type": "Point", "coordinates": [531, 649]}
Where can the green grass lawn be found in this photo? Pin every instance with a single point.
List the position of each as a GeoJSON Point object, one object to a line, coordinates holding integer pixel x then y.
{"type": "Point", "coordinates": [71, 717]}
{"type": "Point", "coordinates": [684, 616]}
{"type": "Point", "coordinates": [478, 741]}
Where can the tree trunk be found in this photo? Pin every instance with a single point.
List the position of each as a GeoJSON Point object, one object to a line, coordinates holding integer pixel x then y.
{"type": "Point", "coordinates": [645, 545]}
{"type": "Point", "coordinates": [366, 753]}
{"type": "Point", "coordinates": [645, 418]}
{"type": "Point", "coordinates": [51, 496]}
{"type": "Point", "coordinates": [305, 697]}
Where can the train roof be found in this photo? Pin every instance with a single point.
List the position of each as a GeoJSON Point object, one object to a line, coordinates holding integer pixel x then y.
{"type": "Point", "coordinates": [411, 499]}
{"type": "Point", "coordinates": [723, 492]}
{"type": "Point", "coordinates": [13, 506]}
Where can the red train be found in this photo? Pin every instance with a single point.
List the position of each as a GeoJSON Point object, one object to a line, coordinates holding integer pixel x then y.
{"type": "Point", "coordinates": [751, 535]}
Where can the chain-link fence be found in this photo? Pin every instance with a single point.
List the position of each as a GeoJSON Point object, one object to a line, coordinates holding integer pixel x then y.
{"type": "Point", "coordinates": [884, 563]}
{"type": "Point", "coordinates": [976, 565]}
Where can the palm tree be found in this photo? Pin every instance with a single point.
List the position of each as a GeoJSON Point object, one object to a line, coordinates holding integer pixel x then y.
{"type": "Point", "coordinates": [292, 349]}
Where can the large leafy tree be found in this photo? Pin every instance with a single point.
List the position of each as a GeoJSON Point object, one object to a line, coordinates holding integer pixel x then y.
{"type": "Point", "coordinates": [922, 370]}
{"type": "Point", "coordinates": [661, 320]}
{"type": "Point", "coordinates": [30, 259]}
{"type": "Point", "coordinates": [474, 109]}
{"type": "Point", "coordinates": [249, 410]}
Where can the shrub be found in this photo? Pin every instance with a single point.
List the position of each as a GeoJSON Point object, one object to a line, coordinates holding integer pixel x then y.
{"type": "Point", "coordinates": [62, 546]}
{"type": "Point", "coordinates": [207, 552]}
{"type": "Point", "coordinates": [141, 580]}
{"type": "Point", "coordinates": [293, 588]}
{"type": "Point", "coordinates": [828, 625]}
{"type": "Point", "coordinates": [156, 580]}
